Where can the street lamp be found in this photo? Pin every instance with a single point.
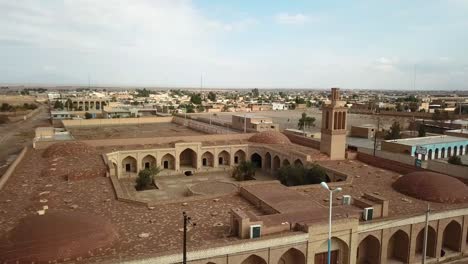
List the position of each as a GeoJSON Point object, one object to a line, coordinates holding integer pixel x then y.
{"type": "Point", "coordinates": [325, 186]}
{"type": "Point", "coordinates": [187, 221]}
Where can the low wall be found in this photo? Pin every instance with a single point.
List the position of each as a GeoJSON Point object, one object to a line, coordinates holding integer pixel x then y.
{"type": "Point", "coordinates": [449, 169]}
{"type": "Point", "coordinates": [398, 157]}
{"type": "Point", "coordinates": [115, 121]}
{"type": "Point", "coordinates": [12, 167]}
{"type": "Point", "coordinates": [201, 126]}
{"type": "Point", "coordinates": [304, 141]}
{"type": "Point", "coordinates": [384, 163]}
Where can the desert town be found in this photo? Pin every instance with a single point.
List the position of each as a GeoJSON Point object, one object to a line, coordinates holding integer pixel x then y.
{"type": "Point", "coordinates": [95, 186]}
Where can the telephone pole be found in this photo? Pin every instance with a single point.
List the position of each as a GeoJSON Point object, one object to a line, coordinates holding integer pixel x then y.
{"type": "Point", "coordinates": [187, 221]}
{"type": "Point", "coordinates": [375, 134]}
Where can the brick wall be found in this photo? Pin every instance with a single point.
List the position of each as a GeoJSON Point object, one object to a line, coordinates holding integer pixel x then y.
{"type": "Point", "coordinates": [387, 164]}
{"type": "Point", "coordinates": [303, 141]}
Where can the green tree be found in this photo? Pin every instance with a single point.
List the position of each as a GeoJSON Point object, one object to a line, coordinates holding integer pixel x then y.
{"type": "Point", "coordinates": [308, 104]}
{"type": "Point", "coordinates": [195, 99]}
{"type": "Point", "coordinates": [422, 130]}
{"type": "Point", "coordinates": [58, 105]}
{"type": "Point", "coordinates": [394, 132]}
{"type": "Point", "coordinates": [88, 115]}
{"type": "Point", "coordinates": [146, 177]}
{"type": "Point", "coordinates": [200, 108]}
{"type": "Point", "coordinates": [300, 175]}
{"type": "Point", "coordinates": [212, 96]}
{"type": "Point", "coordinates": [244, 171]}
{"type": "Point", "coordinates": [299, 100]}
{"type": "Point", "coordinates": [455, 160]}
{"type": "Point", "coordinates": [255, 92]}
{"type": "Point", "coordinates": [306, 121]}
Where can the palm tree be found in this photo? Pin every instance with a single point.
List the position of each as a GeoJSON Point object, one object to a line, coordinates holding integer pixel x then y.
{"type": "Point", "coordinates": [306, 122]}
{"type": "Point", "coordinates": [245, 170]}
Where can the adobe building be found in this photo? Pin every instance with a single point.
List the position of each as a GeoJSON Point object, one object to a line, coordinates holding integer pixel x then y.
{"type": "Point", "coordinates": [253, 123]}
{"type": "Point", "coordinates": [378, 217]}
{"type": "Point", "coordinates": [333, 138]}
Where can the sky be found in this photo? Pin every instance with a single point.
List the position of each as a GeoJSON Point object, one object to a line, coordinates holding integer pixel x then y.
{"type": "Point", "coordinates": [361, 44]}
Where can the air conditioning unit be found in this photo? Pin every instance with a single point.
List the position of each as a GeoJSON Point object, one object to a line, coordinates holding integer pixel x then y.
{"type": "Point", "coordinates": [346, 199]}
{"type": "Point", "coordinates": [368, 213]}
{"type": "Point", "coordinates": [255, 231]}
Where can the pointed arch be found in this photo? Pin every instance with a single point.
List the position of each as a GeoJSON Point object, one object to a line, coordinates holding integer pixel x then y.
{"type": "Point", "coordinates": [188, 158]}
{"type": "Point", "coordinates": [168, 162]}
{"type": "Point", "coordinates": [368, 250]}
{"type": "Point", "coordinates": [254, 259]}
{"type": "Point", "coordinates": [398, 246]}
{"type": "Point", "coordinates": [298, 162]}
{"type": "Point", "coordinates": [224, 158]}
{"type": "Point", "coordinates": [451, 240]}
{"type": "Point", "coordinates": [257, 160]}
{"type": "Point", "coordinates": [207, 159]}
{"type": "Point", "coordinates": [286, 162]}
{"type": "Point", "coordinates": [431, 243]}
{"type": "Point", "coordinates": [276, 163]}
{"type": "Point", "coordinates": [148, 161]}
{"type": "Point", "coordinates": [129, 164]}
{"type": "Point", "coordinates": [268, 161]}
{"type": "Point", "coordinates": [292, 256]}
{"type": "Point", "coordinates": [239, 156]}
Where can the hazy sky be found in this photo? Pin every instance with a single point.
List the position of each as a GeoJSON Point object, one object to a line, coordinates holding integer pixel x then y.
{"type": "Point", "coordinates": [367, 44]}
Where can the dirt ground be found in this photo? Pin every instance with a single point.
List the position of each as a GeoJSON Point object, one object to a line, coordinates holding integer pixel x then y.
{"type": "Point", "coordinates": [290, 118]}
{"type": "Point", "coordinates": [132, 131]}
{"type": "Point", "coordinates": [15, 136]}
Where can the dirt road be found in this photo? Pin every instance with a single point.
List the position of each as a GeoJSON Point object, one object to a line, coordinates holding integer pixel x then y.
{"type": "Point", "coordinates": [15, 136]}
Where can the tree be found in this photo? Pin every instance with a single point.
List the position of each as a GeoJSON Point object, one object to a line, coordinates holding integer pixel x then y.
{"type": "Point", "coordinates": [300, 175]}
{"type": "Point", "coordinates": [306, 121]}
{"type": "Point", "coordinates": [299, 100]}
{"type": "Point", "coordinates": [195, 99]}
{"type": "Point", "coordinates": [440, 115]}
{"type": "Point", "coordinates": [244, 171]}
{"type": "Point", "coordinates": [69, 104]}
{"type": "Point", "coordinates": [455, 160]}
{"type": "Point", "coordinates": [58, 105]}
{"type": "Point", "coordinates": [255, 92]}
{"type": "Point", "coordinates": [212, 96]}
{"type": "Point", "coordinates": [308, 104]}
{"type": "Point", "coordinates": [422, 130]}
{"type": "Point", "coordinates": [200, 108]}
{"type": "Point", "coordinates": [146, 177]}
{"type": "Point", "coordinates": [394, 132]}
{"type": "Point", "coordinates": [88, 115]}
{"type": "Point", "coordinates": [6, 107]}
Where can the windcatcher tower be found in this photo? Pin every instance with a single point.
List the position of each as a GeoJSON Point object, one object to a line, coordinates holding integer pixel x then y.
{"type": "Point", "coordinates": [333, 138]}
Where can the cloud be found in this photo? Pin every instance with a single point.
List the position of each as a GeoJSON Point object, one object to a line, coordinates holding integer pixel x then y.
{"type": "Point", "coordinates": [291, 19]}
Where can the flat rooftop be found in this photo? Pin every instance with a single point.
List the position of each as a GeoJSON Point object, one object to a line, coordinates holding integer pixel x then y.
{"type": "Point", "coordinates": [428, 140]}
{"type": "Point", "coordinates": [132, 131]}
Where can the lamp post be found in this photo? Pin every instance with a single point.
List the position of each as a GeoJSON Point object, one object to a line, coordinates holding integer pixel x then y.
{"type": "Point", "coordinates": [325, 186]}
{"type": "Point", "coordinates": [187, 221]}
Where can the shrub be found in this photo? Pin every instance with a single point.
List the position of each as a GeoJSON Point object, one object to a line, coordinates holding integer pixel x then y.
{"type": "Point", "coordinates": [144, 179]}
{"type": "Point", "coordinates": [299, 175]}
{"type": "Point", "coordinates": [455, 160]}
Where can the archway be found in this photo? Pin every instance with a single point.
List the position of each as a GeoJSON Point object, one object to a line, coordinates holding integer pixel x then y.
{"type": "Point", "coordinates": [207, 159]}
{"type": "Point", "coordinates": [431, 243]}
{"type": "Point", "coordinates": [267, 161]}
{"type": "Point", "coordinates": [451, 241]}
{"type": "Point", "coordinates": [129, 164]}
{"type": "Point", "coordinates": [339, 252]}
{"type": "Point", "coordinates": [298, 163]}
{"type": "Point", "coordinates": [429, 154]}
{"type": "Point", "coordinates": [276, 163]}
{"type": "Point", "coordinates": [292, 256]}
{"type": "Point", "coordinates": [188, 158]}
{"type": "Point", "coordinates": [369, 250]}
{"type": "Point", "coordinates": [239, 156]}
{"type": "Point", "coordinates": [224, 158]}
{"type": "Point", "coordinates": [114, 170]}
{"type": "Point", "coordinates": [168, 162]}
{"type": "Point", "coordinates": [449, 152]}
{"type": "Point", "coordinates": [436, 153]}
{"type": "Point", "coordinates": [286, 162]}
{"type": "Point", "coordinates": [461, 150]}
{"type": "Point", "coordinates": [148, 161]}
{"type": "Point", "coordinates": [254, 259]}
{"type": "Point", "coordinates": [442, 153]}
{"type": "Point", "coordinates": [398, 247]}
{"type": "Point", "coordinates": [256, 160]}
{"type": "Point", "coordinates": [455, 151]}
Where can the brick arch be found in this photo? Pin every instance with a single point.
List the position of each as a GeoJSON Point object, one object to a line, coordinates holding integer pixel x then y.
{"type": "Point", "coordinates": [276, 163]}
{"type": "Point", "coordinates": [168, 161]}
{"type": "Point", "coordinates": [188, 157]}
{"type": "Point", "coordinates": [452, 237]}
{"type": "Point", "coordinates": [254, 259]}
{"type": "Point", "coordinates": [224, 158]}
{"type": "Point", "coordinates": [286, 162]}
{"type": "Point", "coordinates": [431, 242]}
{"type": "Point", "coordinates": [239, 156]}
{"type": "Point", "coordinates": [298, 162]}
{"type": "Point", "coordinates": [369, 250]}
{"type": "Point", "coordinates": [148, 159]}
{"type": "Point", "coordinates": [292, 256]}
{"type": "Point", "coordinates": [398, 246]}
{"type": "Point", "coordinates": [268, 160]}
{"type": "Point", "coordinates": [207, 159]}
{"type": "Point", "coordinates": [129, 164]}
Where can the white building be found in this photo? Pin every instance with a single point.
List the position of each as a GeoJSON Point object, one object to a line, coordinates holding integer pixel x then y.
{"type": "Point", "coordinates": [279, 106]}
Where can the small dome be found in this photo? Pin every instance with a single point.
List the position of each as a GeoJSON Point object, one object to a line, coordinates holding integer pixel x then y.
{"type": "Point", "coordinates": [57, 236]}
{"type": "Point", "coordinates": [270, 137]}
{"type": "Point", "coordinates": [64, 149]}
{"type": "Point", "coordinates": [431, 186]}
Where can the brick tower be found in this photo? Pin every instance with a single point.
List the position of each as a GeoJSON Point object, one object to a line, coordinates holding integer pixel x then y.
{"type": "Point", "coordinates": [333, 138]}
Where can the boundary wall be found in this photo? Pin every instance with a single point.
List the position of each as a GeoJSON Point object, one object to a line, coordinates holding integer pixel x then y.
{"type": "Point", "coordinates": [115, 121]}
{"type": "Point", "coordinates": [4, 178]}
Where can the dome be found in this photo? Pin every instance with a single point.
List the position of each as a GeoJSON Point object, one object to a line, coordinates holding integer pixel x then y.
{"type": "Point", "coordinates": [64, 149]}
{"type": "Point", "coordinates": [270, 137]}
{"type": "Point", "coordinates": [57, 236]}
{"type": "Point", "coordinates": [431, 186]}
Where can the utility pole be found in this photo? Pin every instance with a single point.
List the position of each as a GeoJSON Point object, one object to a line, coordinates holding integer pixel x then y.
{"type": "Point", "coordinates": [425, 234]}
{"type": "Point", "coordinates": [375, 134]}
{"type": "Point", "coordinates": [187, 221]}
